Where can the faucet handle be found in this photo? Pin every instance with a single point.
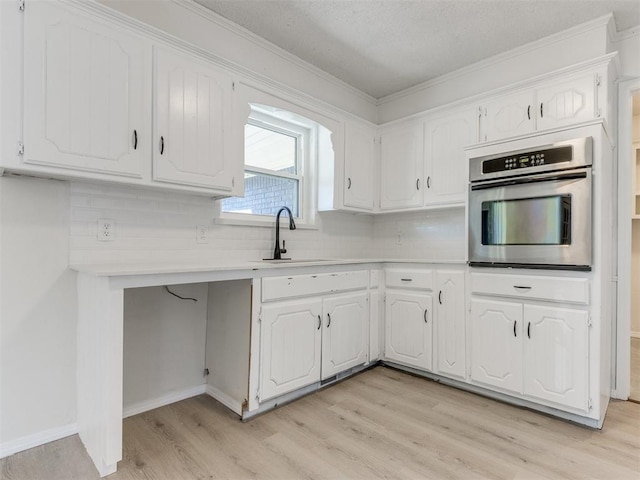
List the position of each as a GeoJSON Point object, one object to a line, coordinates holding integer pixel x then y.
{"type": "Point", "coordinates": [283, 250]}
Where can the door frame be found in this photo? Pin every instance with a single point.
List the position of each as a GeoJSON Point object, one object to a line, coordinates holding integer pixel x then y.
{"type": "Point", "coordinates": [622, 328]}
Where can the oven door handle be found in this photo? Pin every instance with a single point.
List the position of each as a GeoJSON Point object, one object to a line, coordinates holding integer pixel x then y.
{"type": "Point", "coordinates": [555, 177]}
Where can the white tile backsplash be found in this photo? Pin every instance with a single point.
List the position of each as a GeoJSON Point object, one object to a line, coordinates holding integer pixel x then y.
{"type": "Point", "coordinates": [153, 226]}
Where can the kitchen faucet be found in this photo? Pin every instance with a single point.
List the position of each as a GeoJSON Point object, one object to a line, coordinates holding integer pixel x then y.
{"type": "Point", "coordinates": [277, 252]}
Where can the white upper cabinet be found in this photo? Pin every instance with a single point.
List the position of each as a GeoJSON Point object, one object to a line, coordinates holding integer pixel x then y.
{"type": "Point", "coordinates": [86, 100]}
{"type": "Point", "coordinates": [401, 167]}
{"type": "Point", "coordinates": [508, 116]}
{"type": "Point", "coordinates": [566, 103]}
{"type": "Point", "coordinates": [192, 138]}
{"type": "Point", "coordinates": [566, 100]}
{"type": "Point", "coordinates": [445, 167]}
{"type": "Point", "coordinates": [359, 164]}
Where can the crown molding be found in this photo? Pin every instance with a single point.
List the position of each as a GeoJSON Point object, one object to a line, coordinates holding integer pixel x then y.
{"type": "Point", "coordinates": [600, 22]}
{"type": "Point", "coordinates": [260, 42]}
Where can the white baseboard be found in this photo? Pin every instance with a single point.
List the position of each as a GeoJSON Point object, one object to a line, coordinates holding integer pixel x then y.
{"type": "Point", "coordinates": [635, 334]}
{"type": "Point", "coordinates": [225, 399]}
{"type": "Point", "coordinates": [37, 439]}
{"type": "Point", "coordinates": [172, 397]}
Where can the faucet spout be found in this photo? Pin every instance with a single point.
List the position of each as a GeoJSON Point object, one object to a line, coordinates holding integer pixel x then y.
{"type": "Point", "coordinates": [277, 252]}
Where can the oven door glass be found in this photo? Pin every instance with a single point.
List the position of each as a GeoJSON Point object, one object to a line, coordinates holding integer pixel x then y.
{"type": "Point", "coordinates": [529, 221]}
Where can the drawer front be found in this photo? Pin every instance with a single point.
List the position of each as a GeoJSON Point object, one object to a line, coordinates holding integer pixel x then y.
{"type": "Point", "coordinates": [418, 279]}
{"type": "Point", "coordinates": [275, 288]}
{"type": "Point", "coordinates": [554, 289]}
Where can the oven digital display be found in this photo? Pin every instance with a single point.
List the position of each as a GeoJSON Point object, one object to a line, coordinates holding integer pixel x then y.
{"type": "Point", "coordinates": [534, 158]}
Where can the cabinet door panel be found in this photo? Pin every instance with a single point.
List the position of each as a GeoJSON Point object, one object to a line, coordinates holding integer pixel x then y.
{"type": "Point", "coordinates": [556, 365]}
{"type": "Point", "coordinates": [566, 103]}
{"type": "Point", "coordinates": [358, 166]}
{"type": "Point", "coordinates": [451, 323]}
{"type": "Point", "coordinates": [445, 163]}
{"type": "Point", "coordinates": [345, 335]}
{"type": "Point", "coordinates": [290, 346]}
{"type": "Point", "coordinates": [509, 116]}
{"type": "Point", "coordinates": [84, 99]}
{"type": "Point", "coordinates": [193, 108]}
{"type": "Point", "coordinates": [401, 164]}
{"type": "Point", "coordinates": [409, 329]}
{"type": "Point", "coordinates": [496, 344]}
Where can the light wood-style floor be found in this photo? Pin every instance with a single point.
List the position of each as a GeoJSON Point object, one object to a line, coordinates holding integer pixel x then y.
{"type": "Point", "coordinates": [379, 424]}
{"type": "Point", "coordinates": [635, 370]}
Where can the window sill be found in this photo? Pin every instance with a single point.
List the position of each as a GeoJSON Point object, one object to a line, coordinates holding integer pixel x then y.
{"type": "Point", "coordinates": [266, 222]}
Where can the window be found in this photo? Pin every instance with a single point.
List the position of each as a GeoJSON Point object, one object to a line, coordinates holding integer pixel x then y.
{"type": "Point", "coordinates": [279, 152]}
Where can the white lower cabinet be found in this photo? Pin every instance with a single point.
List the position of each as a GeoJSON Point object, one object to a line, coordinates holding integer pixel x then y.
{"type": "Point", "coordinates": [409, 329]}
{"type": "Point", "coordinates": [540, 351]}
{"type": "Point", "coordinates": [310, 339]}
{"type": "Point", "coordinates": [450, 323]}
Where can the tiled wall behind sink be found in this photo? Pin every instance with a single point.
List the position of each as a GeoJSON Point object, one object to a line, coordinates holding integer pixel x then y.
{"type": "Point", "coordinates": [156, 226]}
{"type": "Point", "coordinates": [429, 235]}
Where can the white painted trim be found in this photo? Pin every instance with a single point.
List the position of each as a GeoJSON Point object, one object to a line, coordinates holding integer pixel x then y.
{"type": "Point", "coordinates": [635, 334]}
{"type": "Point", "coordinates": [167, 399]}
{"type": "Point", "coordinates": [37, 439]}
{"type": "Point", "coordinates": [224, 399]}
{"type": "Point", "coordinates": [622, 360]}
{"type": "Point", "coordinates": [502, 57]}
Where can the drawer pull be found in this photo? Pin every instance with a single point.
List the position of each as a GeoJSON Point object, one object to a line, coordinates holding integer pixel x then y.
{"type": "Point", "coordinates": [319, 322]}
{"type": "Point", "coordinates": [514, 328]}
{"type": "Point", "coordinates": [329, 322]}
{"type": "Point", "coordinates": [425, 315]}
{"type": "Point", "coordinates": [406, 279]}
{"type": "Point", "coordinates": [522, 287]}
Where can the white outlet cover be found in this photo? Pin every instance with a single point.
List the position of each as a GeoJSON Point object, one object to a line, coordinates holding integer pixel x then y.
{"type": "Point", "coordinates": [202, 234]}
{"type": "Point", "coordinates": [106, 230]}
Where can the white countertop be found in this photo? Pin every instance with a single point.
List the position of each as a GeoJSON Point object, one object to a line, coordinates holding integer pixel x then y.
{"type": "Point", "coordinates": [127, 269]}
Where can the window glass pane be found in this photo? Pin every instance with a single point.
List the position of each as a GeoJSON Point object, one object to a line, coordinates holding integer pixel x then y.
{"type": "Point", "coordinates": [264, 195]}
{"type": "Point", "coordinates": [268, 149]}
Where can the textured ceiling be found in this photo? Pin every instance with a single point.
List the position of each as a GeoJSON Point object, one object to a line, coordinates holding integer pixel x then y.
{"type": "Point", "coordinates": [384, 46]}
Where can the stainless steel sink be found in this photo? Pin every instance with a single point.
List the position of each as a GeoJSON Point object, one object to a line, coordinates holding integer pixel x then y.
{"type": "Point", "coordinates": [295, 260]}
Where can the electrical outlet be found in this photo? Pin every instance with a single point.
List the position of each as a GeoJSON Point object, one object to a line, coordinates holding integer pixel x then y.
{"type": "Point", "coordinates": [399, 238]}
{"type": "Point", "coordinates": [106, 230]}
{"type": "Point", "coordinates": [202, 234]}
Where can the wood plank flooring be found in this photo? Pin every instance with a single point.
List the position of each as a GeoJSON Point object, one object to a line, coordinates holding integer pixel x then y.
{"type": "Point", "coordinates": [380, 424]}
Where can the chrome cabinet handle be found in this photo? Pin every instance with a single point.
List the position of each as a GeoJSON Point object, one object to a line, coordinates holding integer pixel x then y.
{"type": "Point", "coordinates": [329, 322]}
{"type": "Point", "coordinates": [425, 315]}
{"type": "Point", "coordinates": [135, 139]}
{"type": "Point", "coordinates": [529, 330]}
{"type": "Point", "coordinates": [349, 183]}
{"type": "Point", "coordinates": [522, 287]}
{"type": "Point", "coordinates": [161, 145]}
{"type": "Point", "coordinates": [440, 297]}
{"type": "Point", "coordinates": [319, 322]}
{"type": "Point", "coordinates": [514, 328]}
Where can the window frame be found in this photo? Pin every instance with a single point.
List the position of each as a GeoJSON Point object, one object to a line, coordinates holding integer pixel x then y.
{"type": "Point", "coordinates": [306, 133]}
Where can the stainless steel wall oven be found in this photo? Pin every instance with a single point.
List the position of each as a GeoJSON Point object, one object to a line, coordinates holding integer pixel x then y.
{"type": "Point", "coordinates": [532, 208]}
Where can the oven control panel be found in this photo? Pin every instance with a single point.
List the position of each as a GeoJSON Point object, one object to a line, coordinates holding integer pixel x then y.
{"type": "Point", "coordinates": [528, 159]}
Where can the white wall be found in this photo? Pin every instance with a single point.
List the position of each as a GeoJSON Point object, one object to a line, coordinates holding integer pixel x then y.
{"type": "Point", "coordinates": [37, 313]}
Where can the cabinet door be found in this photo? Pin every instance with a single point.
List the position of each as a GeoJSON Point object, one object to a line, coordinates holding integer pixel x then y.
{"type": "Point", "coordinates": [445, 165]}
{"type": "Point", "coordinates": [84, 94]}
{"type": "Point", "coordinates": [358, 166]}
{"type": "Point", "coordinates": [496, 344]}
{"type": "Point", "coordinates": [556, 363]}
{"type": "Point", "coordinates": [450, 318]}
{"type": "Point", "coordinates": [508, 116]}
{"type": "Point", "coordinates": [409, 329]}
{"type": "Point", "coordinates": [345, 335]}
{"type": "Point", "coordinates": [290, 341]}
{"type": "Point", "coordinates": [192, 139]}
{"type": "Point", "coordinates": [566, 103]}
{"type": "Point", "coordinates": [401, 164]}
